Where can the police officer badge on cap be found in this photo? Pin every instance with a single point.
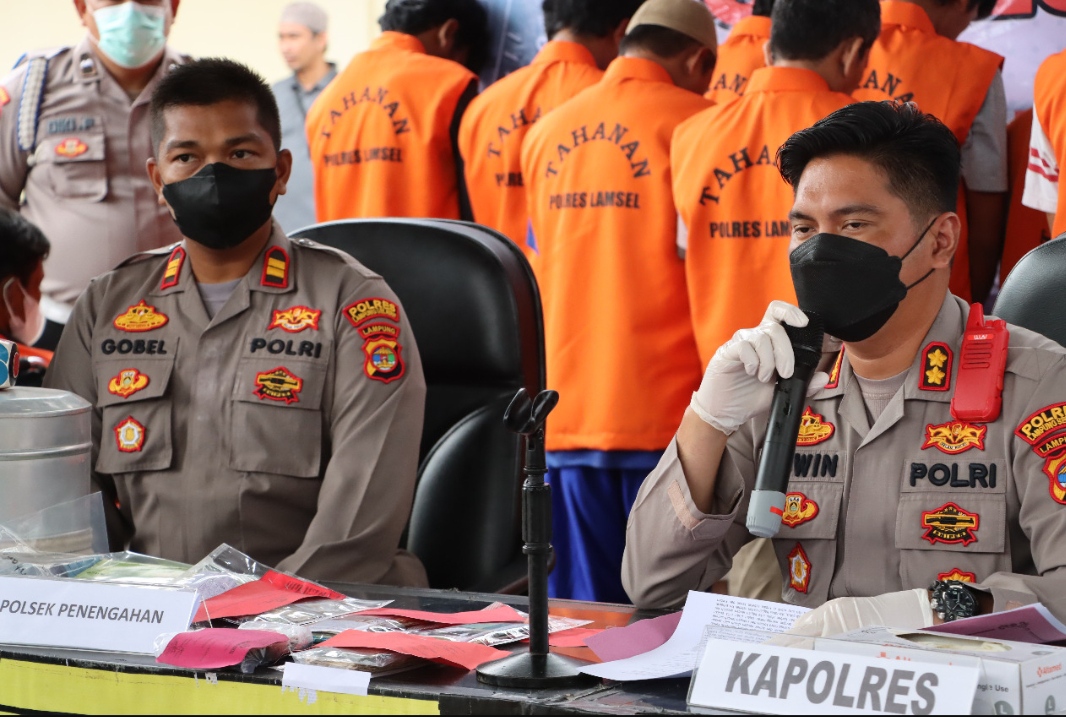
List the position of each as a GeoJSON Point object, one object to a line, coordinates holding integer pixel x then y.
{"type": "Point", "coordinates": [9, 363]}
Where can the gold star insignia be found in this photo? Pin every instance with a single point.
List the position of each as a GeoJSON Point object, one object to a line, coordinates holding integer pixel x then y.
{"type": "Point", "coordinates": [935, 376]}
{"type": "Point", "coordinates": [937, 359]}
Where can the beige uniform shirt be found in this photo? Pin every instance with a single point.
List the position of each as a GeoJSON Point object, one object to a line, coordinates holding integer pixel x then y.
{"type": "Point", "coordinates": [287, 426]}
{"type": "Point", "coordinates": [914, 498]}
{"type": "Point", "coordinates": [80, 158]}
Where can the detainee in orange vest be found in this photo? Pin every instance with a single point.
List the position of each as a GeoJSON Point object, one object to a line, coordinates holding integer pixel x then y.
{"type": "Point", "coordinates": [383, 134]}
{"type": "Point", "coordinates": [620, 347]}
{"type": "Point", "coordinates": [584, 40]}
{"type": "Point", "coordinates": [741, 54]}
{"type": "Point", "coordinates": [732, 203]}
{"type": "Point", "coordinates": [1026, 228]}
{"type": "Point", "coordinates": [21, 270]}
{"type": "Point", "coordinates": [1047, 145]}
{"type": "Point", "coordinates": [917, 59]}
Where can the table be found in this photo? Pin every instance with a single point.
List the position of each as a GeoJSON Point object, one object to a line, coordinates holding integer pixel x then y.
{"type": "Point", "coordinates": [49, 680]}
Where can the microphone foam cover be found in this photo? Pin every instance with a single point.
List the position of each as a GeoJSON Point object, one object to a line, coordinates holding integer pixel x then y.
{"type": "Point", "coordinates": [807, 340]}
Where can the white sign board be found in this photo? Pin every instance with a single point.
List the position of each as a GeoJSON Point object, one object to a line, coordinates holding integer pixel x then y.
{"type": "Point", "coordinates": [325, 679]}
{"type": "Point", "coordinates": [780, 680]}
{"type": "Point", "coordinates": [91, 616]}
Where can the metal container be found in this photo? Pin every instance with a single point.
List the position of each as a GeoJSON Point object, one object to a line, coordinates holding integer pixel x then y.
{"type": "Point", "coordinates": [45, 448]}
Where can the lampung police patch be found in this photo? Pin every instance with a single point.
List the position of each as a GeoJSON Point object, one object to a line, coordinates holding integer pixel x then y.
{"type": "Point", "coordinates": [140, 318]}
{"type": "Point", "coordinates": [799, 509]}
{"type": "Point", "coordinates": [1045, 430]}
{"type": "Point", "coordinates": [936, 367]}
{"type": "Point", "coordinates": [799, 570]}
{"type": "Point", "coordinates": [955, 437]}
{"type": "Point", "coordinates": [1055, 470]}
{"type": "Point", "coordinates": [128, 382]}
{"type": "Point", "coordinates": [814, 429]}
{"type": "Point", "coordinates": [130, 435]}
{"type": "Point", "coordinates": [959, 575]}
{"type": "Point", "coordinates": [384, 359]}
{"type": "Point", "coordinates": [279, 385]}
{"type": "Point", "coordinates": [295, 319]}
{"type": "Point", "coordinates": [364, 310]}
{"type": "Point", "coordinates": [950, 524]}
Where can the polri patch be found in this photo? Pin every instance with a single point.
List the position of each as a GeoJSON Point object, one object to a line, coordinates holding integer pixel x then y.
{"type": "Point", "coordinates": [275, 268]}
{"type": "Point", "coordinates": [958, 575]}
{"type": "Point", "coordinates": [130, 435]}
{"type": "Point", "coordinates": [372, 308]}
{"type": "Point", "coordinates": [1043, 429]}
{"type": "Point", "coordinates": [1055, 470]}
{"type": "Point", "coordinates": [799, 570]}
{"type": "Point", "coordinates": [950, 524]}
{"type": "Point", "coordinates": [384, 360]}
{"type": "Point", "coordinates": [140, 318]}
{"type": "Point", "coordinates": [799, 509]}
{"type": "Point", "coordinates": [814, 429]}
{"type": "Point", "coordinates": [71, 148]}
{"type": "Point", "coordinates": [173, 270]}
{"type": "Point", "coordinates": [128, 382]}
{"type": "Point", "coordinates": [279, 385]}
{"type": "Point", "coordinates": [955, 437]}
{"type": "Point", "coordinates": [295, 319]}
{"type": "Point", "coordinates": [936, 367]}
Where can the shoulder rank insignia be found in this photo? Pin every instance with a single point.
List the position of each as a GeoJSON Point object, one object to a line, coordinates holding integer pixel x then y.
{"type": "Point", "coordinates": [950, 524]}
{"type": "Point", "coordinates": [799, 509]}
{"type": "Point", "coordinates": [373, 308]}
{"type": "Point", "coordinates": [834, 373]}
{"type": "Point", "coordinates": [814, 429]}
{"type": "Point", "coordinates": [295, 319]}
{"type": "Point", "coordinates": [140, 318]}
{"type": "Point", "coordinates": [128, 382]}
{"type": "Point", "coordinates": [173, 271]}
{"type": "Point", "coordinates": [1055, 470]}
{"type": "Point", "coordinates": [959, 575]}
{"type": "Point", "coordinates": [955, 437]}
{"type": "Point", "coordinates": [275, 268]}
{"type": "Point", "coordinates": [799, 570]}
{"type": "Point", "coordinates": [130, 435]}
{"type": "Point", "coordinates": [384, 361]}
{"type": "Point", "coordinates": [936, 367]}
{"type": "Point", "coordinates": [1044, 429]}
{"type": "Point", "coordinates": [71, 148]}
{"type": "Point", "coordinates": [278, 385]}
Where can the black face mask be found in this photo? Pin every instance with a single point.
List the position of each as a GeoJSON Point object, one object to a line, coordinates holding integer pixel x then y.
{"type": "Point", "coordinates": [853, 286]}
{"type": "Point", "coordinates": [221, 206]}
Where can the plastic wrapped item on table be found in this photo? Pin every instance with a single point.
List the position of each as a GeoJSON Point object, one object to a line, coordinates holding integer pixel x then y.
{"type": "Point", "coordinates": [44, 565]}
{"type": "Point", "coordinates": [365, 623]}
{"type": "Point", "coordinates": [253, 659]}
{"type": "Point", "coordinates": [75, 527]}
{"type": "Point", "coordinates": [300, 637]}
{"type": "Point", "coordinates": [224, 569]}
{"type": "Point", "coordinates": [134, 569]}
{"type": "Point", "coordinates": [495, 633]}
{"type": "Point", "coordinates": [313, 611]}
{"type": "Point", "coordinates": [375, 662]}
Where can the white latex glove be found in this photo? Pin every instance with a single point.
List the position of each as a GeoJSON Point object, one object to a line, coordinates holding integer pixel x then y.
{"type": "Point", "coordinates": [739, 382]}
{"type": "Point", "coordinates": [909, 609]}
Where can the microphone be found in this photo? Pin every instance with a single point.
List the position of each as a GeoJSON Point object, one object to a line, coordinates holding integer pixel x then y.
{"type": "Point", "coordinates": [767, 502]}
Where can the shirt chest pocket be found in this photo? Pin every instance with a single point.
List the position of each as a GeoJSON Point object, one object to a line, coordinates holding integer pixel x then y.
{"type": "Point", "coordinates": [136, 415]}
{"type": "Point", "coordinates": [277, 417]}
{"type": "Point", "coordinates": [72, 155]}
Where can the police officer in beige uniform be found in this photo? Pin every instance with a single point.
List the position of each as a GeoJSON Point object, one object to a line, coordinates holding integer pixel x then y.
{"type": "Point", "coordinates": [248, 389]}
{"type": "Point", "coordinates": [910, 482]}
{"type": "Point", "coordinates": [74, 140]}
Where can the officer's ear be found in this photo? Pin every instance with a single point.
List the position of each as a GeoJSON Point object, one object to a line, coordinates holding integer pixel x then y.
{"type": "Point", "coordinates": [156, 179]}
{"type": "Point", "coordinates": [945, 232]}
{"type": "Point", "coordinates": [284, 170]}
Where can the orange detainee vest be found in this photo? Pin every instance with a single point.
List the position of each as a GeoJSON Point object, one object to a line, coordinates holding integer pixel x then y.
{"type": "Point", "coordinates": [734, 203]}
{"type": "Point", "coordinates": [491, 134]}
{"type": "Point", "coordinates": [1049, 91]}
{"type": "Point", "coordinates": [620, 348]}
{"type": "Point", "coordinates": [739, 56]}
{"type": "Point", "coordinates": [381, 134]}
{"type": "Point", "coordinates": [947, 79]}
{"type": "Point", "coordinates": [1026, 228]}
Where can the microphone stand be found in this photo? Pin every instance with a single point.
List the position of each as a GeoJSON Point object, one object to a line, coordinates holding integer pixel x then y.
{"type": "Point", "coordinates": [538, 668]}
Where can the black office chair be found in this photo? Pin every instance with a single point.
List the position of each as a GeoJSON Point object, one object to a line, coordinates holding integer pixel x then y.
{"type": "Point", "coordinates": [475, 310]}
{"type": "Point", "coordinates": [1034, 291]}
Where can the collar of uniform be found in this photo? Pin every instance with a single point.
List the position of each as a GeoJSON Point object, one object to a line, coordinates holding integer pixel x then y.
{"type": "Point", "coordinates": [947, 329]}
{"type": "Point", "coordinates": [562, 51]}
{"type": "Point", "coordinates": [754, 26]}
{"type": "Point", "coordinates": [906, 14]}
{"type": "Point", "coordinates": [636, 68]}
{"type": "Point", "coordinates": [787, 79]}
{"type": "Point", "coordinates": [390, 40]}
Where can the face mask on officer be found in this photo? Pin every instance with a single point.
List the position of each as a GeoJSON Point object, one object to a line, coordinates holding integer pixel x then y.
{"type": "Point", "coordinates": [220, 206]}
{"type": "Point", "coordinates": [852, 285]}
{"type": "Point", "coordinates": [131, 34]}
{"type": "Point", "coordinates": [27, 326]}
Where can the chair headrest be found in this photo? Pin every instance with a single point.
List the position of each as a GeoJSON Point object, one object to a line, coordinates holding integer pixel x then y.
{"type": "Point", "coordinates": [1035, 291]}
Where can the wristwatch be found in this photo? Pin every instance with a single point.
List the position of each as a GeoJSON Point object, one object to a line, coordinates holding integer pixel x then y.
{"type": "Point", "coordinates": [953, 600]}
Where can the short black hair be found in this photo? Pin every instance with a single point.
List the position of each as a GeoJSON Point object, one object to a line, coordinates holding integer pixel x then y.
{"type": "Point", "coordinates": [918, 154]}
{"type": "Point", "coordinates": [413, 17]}
{"type": "Point", "coordinates": [594, 18]}
{"type": "Point", "coordinates": [663, 42]}
{"type": "Point", "coordinates": [762, 8]}
{"type": "Point", "coordinates": [811, 29]}
{"type": "Point", "coordinates": [25, 246]}
{"type": "Point", "coordinates": [205, 82]}
{"type": "Point", "coordinates": [984, 7]}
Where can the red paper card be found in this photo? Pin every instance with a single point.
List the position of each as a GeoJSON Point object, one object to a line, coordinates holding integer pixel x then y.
{"type": "Point", "coordinates": [270, 592]}
{"type": "Point", "coordinates": [500, 613]}
{"type": "Point", "coordinates": [461, 654]}
{"type": "Point", "coordinates": [215, 648]}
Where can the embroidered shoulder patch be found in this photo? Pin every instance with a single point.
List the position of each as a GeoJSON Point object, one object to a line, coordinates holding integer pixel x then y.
{"type": "Point", "coordinates": [955, 437]}
{"type": "Point", "coordinates": [1042, 430]}
{"type": "Point", "coordinates": [384, 360]}
{"type": "Point", "coordinates": [799, 570]}
{"type": "Point", "coordinates": [799, 509]}
{"type": "Point", "coordinates": [1055, 470]}
{"type": "Point", "coordinates": [814, 429]}
{"type": "Point", "coordinates": [128, 382]}
{"type": "Point", "coordinates": [130, 435]}
{"type": "Point", "coordinates": [140, 318]}
{"type": "Point", "coordinates": [936, 367]}
{"type": "Point", "coordinates": [373, 308]}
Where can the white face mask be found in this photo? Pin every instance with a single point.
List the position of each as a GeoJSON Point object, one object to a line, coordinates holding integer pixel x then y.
{"type": "Point", "coordinates": [28, 328]}
{"type": "Point", "coordinates": [131, 34]}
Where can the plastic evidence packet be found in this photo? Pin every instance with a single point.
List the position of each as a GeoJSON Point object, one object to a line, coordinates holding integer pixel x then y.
{"type": "Point", "coordinates": [314, 611]}
{"type": "Point", "coordinates": [375, 662]}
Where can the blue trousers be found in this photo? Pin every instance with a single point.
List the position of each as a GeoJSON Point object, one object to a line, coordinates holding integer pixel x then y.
{"type": "Point", "coordinates": [590, 507]}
